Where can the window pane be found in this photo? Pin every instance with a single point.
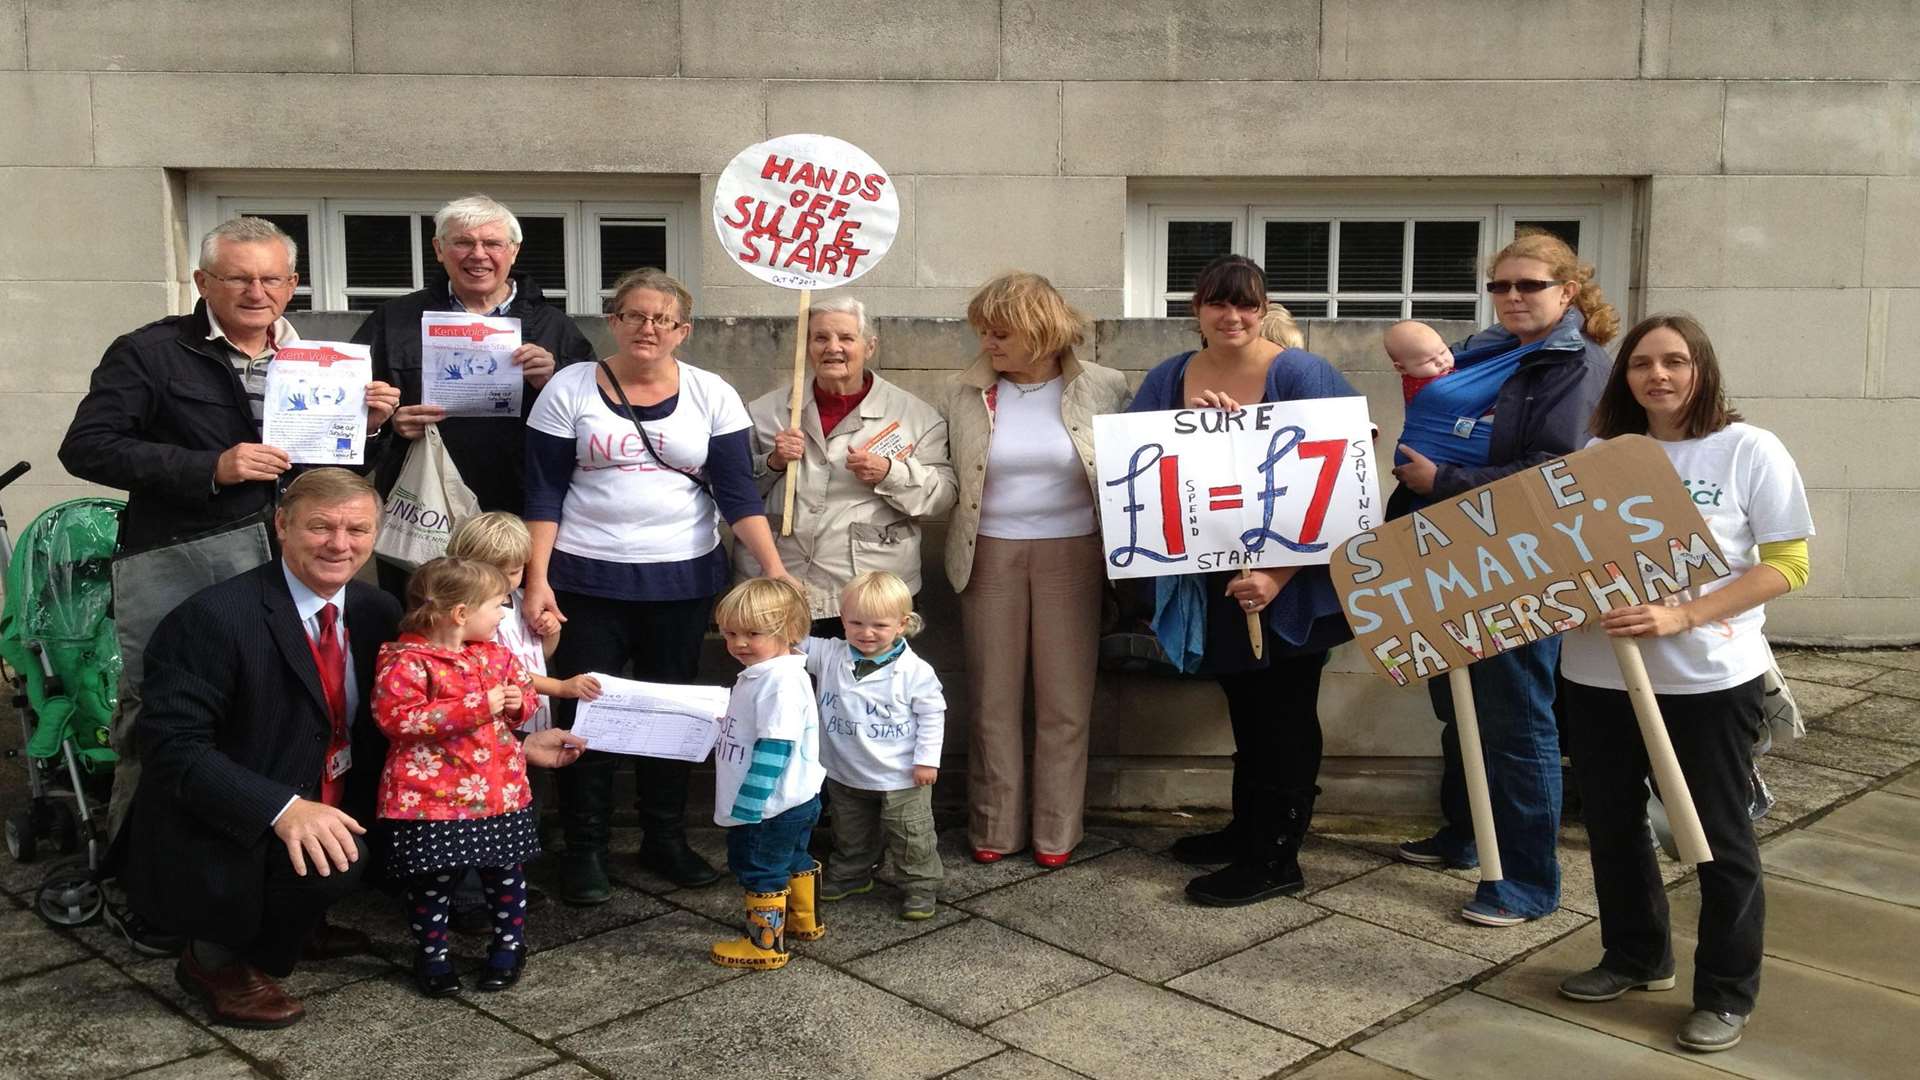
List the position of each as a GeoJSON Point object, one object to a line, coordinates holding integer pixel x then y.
{"type": "Point", "coordinates": [543, 251]}
{"type": "Point", "coordinates": [302, 301]}
{"type": "Point", "coordinates": [1305, 309]}
{"type": "Point", "coordinates": [428, 260]}
{"type": "Point", "coordinates": [379, 250]}
{"type": "Point", "coordinates": [1466, 310]}
{"type": "Point", "coordinates": [1565, 230]}
{"type": "Point", "coordinates": [1191, 245]}
{"type": "Point", "coordinates": [629, 244]}
{"type": "Point", "coordinates": [294, 225]}
{"type": "Point", "coordinates": [1296, 255]}
{"type": "Point", "coordinates": [1179, 309]}
{"type": "Point", "coordinates": [1444, 254]}
{"type": "Point", "coordinates": [1369, 309]}
{"type": "Point", "coordinates": [1370, 256]}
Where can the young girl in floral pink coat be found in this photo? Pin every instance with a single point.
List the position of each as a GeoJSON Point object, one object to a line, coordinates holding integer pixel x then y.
{"type": "Point", "coordinates": [455, 784]}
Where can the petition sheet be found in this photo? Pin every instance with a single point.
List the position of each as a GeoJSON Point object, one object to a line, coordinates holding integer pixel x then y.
{"type": "Point", "coordinates": [664, 720]}
{"type": "Point", "coordinates": [316, 402]}
{"type": "Point", "coordinates": [466, 364]}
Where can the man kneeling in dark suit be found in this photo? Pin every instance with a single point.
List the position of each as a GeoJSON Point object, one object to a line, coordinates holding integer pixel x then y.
{"type": "Point", "coordinates": [262, 758]}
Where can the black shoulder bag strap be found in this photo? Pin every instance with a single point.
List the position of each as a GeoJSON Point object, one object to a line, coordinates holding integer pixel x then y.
{"type": "Point", "coordinates": [634, 415]}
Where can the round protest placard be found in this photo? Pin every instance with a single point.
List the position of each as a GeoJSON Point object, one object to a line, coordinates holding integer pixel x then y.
{"type": "Point", "coordinates": [805, 211]}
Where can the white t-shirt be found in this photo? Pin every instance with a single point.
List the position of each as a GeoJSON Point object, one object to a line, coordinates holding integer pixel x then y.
{"type": "Point", "coordinates": [873, 731]}
{"type": "Point", "coordinates": [623, 506]}
{"type": "Point", "coordinates": [773, 699]}
{"type": "Point", "coordinates": [1036, 487]}
{"type": "Point", "coordinates": [517, 635]}
{"type": "Point", "coordinates": [1748, 489]}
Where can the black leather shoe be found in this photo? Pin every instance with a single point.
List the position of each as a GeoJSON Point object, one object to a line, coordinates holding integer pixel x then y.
{"type": "Point", "coordinates": [494, 979]}
{"type": "Point", "coordinates": [1247, 883]}
{"type": "Point", "coordinates": [679, 864]}
{"type": "Point", "coordinates": [443, 984]}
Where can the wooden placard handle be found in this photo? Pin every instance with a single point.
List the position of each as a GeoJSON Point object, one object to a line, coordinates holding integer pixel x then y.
{"type": "Point", "coordinates": [1688, 836]}
{"type": "Point", "coordinates": [1255, 637]}
{"type": "Point", "coordinates": [794, 405]}
{"type": "Point", "coordinates": [1473, 761]}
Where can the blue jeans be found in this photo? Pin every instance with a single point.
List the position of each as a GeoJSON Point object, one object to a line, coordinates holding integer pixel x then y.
{"type": "Point", "coordinates": [765, 856]}
{"type": "Point", "coordinates": [1513, 697]}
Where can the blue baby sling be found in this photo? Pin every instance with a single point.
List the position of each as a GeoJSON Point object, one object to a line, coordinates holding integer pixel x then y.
{"type": "Point", "coordinates": [1447, 420]}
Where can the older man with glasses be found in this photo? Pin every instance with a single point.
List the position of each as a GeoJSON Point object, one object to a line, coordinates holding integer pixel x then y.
{"type": "Point", "coordinates": [173, 418]}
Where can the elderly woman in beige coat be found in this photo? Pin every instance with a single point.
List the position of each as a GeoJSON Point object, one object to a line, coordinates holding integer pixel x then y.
{"type": "Point", "coordinates": [873, 460]}
{"type": "Point", "coordinates": [1024, 554]}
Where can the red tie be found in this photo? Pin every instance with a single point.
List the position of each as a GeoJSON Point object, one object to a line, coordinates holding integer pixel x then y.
{"type": "Point", "coordinates": [332, 662]}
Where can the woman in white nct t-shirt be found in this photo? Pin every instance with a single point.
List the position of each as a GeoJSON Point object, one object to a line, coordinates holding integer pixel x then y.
{"type": "Point", "coordinates": [626, 549]}
{"type": "Point", "coordinates": [1023, 553]}
{"type": "Point", "coordinates": [1706, 659]}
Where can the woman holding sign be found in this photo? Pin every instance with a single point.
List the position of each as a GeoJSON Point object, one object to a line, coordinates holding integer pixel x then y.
{"type": "Point", "coordinates": [1023, 552]}
{"type": "Point", "coordinates": [873, 461]}
{"type": "Point", "coordinates": [1706, 660]}
{"type": "Point", "coordinates": [631, 464]}
{"type": "Point", "coordinates": [1202, 619]}
{"type": "Point", "coordinates": [1548, 366]}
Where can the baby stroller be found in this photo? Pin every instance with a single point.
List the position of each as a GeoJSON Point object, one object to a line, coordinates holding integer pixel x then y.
{"type": "Point", "coordinates": [57, 639]}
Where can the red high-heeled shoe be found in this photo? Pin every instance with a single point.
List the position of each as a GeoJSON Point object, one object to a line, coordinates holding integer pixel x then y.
{"type": "Point", "coordinates": [1052, 862]}
{"type": "Point", "coordinates": [982, 855]}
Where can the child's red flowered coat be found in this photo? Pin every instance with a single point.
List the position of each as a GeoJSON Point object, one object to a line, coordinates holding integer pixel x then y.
{"type": "Point", "coordinates": [450, 758]}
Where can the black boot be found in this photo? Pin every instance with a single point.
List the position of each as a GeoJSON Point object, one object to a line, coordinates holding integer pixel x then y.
{"type": "Point", "coordinates": [1266, 867]}
{"type": "Point", "coordinates": [1215, 848]}
{"type": "Point", "coordinates": [662, 805]}
{"type": "Point", "coordinates": [586, 804]}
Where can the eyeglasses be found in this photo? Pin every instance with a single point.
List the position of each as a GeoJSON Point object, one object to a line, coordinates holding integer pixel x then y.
{"type": "Point", "coordinates": [634, 320]}
{"type": "Point", "coordinates": [1528, 286]}
{"type": "Point", "coordinates": [240, 282]}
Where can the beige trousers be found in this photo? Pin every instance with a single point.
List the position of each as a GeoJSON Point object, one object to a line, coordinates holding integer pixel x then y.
{"type": "Point", "coordinates": [1038, 602]}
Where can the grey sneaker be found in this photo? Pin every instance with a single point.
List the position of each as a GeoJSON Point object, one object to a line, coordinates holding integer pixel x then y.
{"type": "Point", "coordinates": [1600, 984]}
{"type": "Point", "coordinates": [840, 890]}
{"type": "Point", "coordinates": [917, 908]}
{"type": "Point", "coordinates": [1707, 1031]}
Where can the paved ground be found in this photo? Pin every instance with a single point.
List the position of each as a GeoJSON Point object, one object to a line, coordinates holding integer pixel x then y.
{"type": "Point", "coordinates": [1098, 970]}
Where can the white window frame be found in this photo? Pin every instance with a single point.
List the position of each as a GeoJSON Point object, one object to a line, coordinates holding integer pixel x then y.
{"type": "Point", "coordinates": [581, 202]}
{"type": "Point", "coordinates": [1604, 207]}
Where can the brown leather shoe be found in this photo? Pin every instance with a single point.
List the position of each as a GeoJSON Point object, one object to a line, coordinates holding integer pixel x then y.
{"type": "Point", "coordinates": [239, 995]}
{"type": "Point", "coordinates": [330, 942]}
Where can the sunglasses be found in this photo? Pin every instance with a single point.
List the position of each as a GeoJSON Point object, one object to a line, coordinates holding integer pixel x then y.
{"type": "Point", "coordinates": [1525, 285]}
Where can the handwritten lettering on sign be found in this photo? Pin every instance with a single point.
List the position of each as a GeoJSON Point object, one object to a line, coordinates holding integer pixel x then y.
{"type": "Point", "coordinates": [805, 211]}
{"type": "Point", "coordinates": [1187, 490]}
{"type": "Point", "coordinates": [1531, 555]}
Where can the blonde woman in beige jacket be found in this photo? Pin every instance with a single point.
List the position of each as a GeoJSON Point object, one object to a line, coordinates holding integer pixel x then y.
{"type": "Point", "coordinates": [873, 460]}
{"type": "Point", "coordinates": [1024, 554]}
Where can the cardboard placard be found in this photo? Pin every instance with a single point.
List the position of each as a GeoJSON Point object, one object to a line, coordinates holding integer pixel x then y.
{"type": "Point", "coordinates": [1540, 552]}
{"type": "Point", "coordinates": [805, 211]}
{"type": "Point", "coordinates": [1190, 490]}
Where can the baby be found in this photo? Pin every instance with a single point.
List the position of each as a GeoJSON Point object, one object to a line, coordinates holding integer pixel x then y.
{"type": "Point", "coordinates": [1418, 354]}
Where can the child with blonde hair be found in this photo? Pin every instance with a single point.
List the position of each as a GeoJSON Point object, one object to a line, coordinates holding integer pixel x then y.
{"type": "Point", "coordinates": [883, 716]}
{"type": "Point", "coordinates": [767, 774]}
{"type": "Point", "coordinates": [501, 540]}
{"type": "Point", "coordinates": [448, 697]}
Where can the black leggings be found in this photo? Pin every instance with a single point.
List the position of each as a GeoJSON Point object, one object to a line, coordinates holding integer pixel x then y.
{"type": "Point", "coordinates": [1275, 712]}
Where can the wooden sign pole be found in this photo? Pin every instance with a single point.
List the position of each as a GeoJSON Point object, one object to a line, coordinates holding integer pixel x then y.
{"type": "Point", "coordinates": [1254, 635]}
{"type": "Point", "coordinates": [1466, 724]}
{"type": "Point", "coordinates": [794, 405]}
{"type": "Point", "coordinates": [1688, 836]}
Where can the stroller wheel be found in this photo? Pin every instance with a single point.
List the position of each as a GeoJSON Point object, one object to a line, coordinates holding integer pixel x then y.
{"type": "Point", "coordinates": [70, 896]}
{"type": "Point", "coordinates": [23, 840]}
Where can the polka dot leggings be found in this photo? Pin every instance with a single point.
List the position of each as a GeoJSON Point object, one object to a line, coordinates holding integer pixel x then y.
{"type": "Point", "coordinates": [430, 901]}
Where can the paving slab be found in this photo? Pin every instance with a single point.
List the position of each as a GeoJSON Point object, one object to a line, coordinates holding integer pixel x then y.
{"type": "Point", "coordinates": [1824, 668]}
{"type": "Point", "coordinates": [1344, 1065]}
{"type": "Point", "coordinates": [855, 926]}
{"type": "Point", "coordinates": [1837, 750]}
{"type": "Point", "coordinates": [1895, 719]}
{"type": "Point", "coordinates": [1331, 980]}
{"type": "Point", "coordinates": [1818, 699]}
{"type": "Point", "coordinates": [1876, 818]}
{"type": "Point", "coordinates": [308, 979]}
{"type": "Point", "coordinates": [1120, 1029]}
{"type": "Point", "coordinates": [1014, 1065]}
{"type": "Point", "coordinates": [1424, 904]}
{"type": "Point", "coordinates": [219, 1065]}
{"type": "Point", "coordinates": [1800, 788]}
{"type": "Point", "coordinates": [28, 944]}
{"type": "Point", "coordinates": [1903, 683]}
{"type": "Point", "coordinates": [803, 1020]}
{"type": "Point", "coordinates": [609, 975]}
{"type": "Point", "coordinates": [87, 1020]}
{"type": "Point", "coordinates": [1575, 856]}
{"type": "Point", "coordinates": [1907, 785]}
{"type": "Point", "coordinates": [1809, 1023]}
{"type": "Point", "coordinates": [623, 862]}
{"type": "Point", "coordinates": [975, 972]}
{"type": "Point", "coordinates": [1827, 929]}
{"type": "Point", "coordinates": [965, 878]}
{"type": "Point", "coordinates": [1847, 865]}
{"type": "Point", "coordinates": [1908, 659]}
{"type": "Point", "coordinates": [1326, 862]}
{"type": "Point", "coordinates": [567, 1071]}
{"type": "Point", "coordinates": [382, 1029]}
{"type": "Point", "coordinates": [1129, 911]}
{"type": "Point", "coordinates": [1471, 1037]}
